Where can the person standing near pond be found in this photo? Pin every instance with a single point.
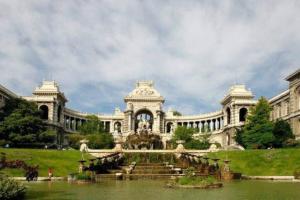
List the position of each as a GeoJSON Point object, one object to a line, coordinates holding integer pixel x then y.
{"type": "Point", "coordinates": [50, 173]}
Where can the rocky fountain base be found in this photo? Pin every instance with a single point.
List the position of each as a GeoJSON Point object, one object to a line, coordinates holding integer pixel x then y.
{"type": "Point", "coordinates": [143, 139]}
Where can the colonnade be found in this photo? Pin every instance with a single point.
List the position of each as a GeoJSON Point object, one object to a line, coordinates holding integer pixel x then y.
{"type": "Point", "coordinates": [202, 125]}
{"type": "Point", "coordinates": [72, 123]}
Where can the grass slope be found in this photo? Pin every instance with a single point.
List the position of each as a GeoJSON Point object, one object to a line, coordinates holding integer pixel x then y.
{"type": "Point", "coordinates": [250, 162]}
{"type": "Point", "coordinates": [262, 162]}
{"type": "Point", "coordinates": [62, 162]}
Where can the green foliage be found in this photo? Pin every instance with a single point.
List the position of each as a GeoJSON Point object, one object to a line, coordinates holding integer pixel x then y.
{"type": "Point", "coordinates": [11, 189]}
{"type": "Point", "coordinates": [258, 130]}
{"type": "Point", "coordinates": [177, 113]}
{"type": "Point", "coordinates": [100, 141]}
{"type": "Point", "coordinates": [260, 133]}
{"type": "Point", "coordinates": [189, 172]}
{"type": "Point", "coordinates": [197, 180]}
{"type": "Point", "coordinates": [92, 126]}
{"type": "Point", "coordinates": [187, 134]}
{"type": "Point", "coordinates": [21, 123]}
{"type": "Point", "coordinates": [282, 132]}
{"type": "Point", "coordinates": [83, 176]}
{"type": "Point", "coordinates": [48, 136]}
{"type": "Point", "coordinates": [74, 139]}
{"type": "Point", "coordinates": [93, 131]}
{"type": "Point", "coordinates": [297, 173]}
{"type": "Point", "coordinates": [183, 133]}
{"type": "Point", "coordinates": [238, 136]}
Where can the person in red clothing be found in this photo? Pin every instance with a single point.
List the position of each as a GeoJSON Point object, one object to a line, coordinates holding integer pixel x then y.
{"type": "Point", "coordinates": [50, 173]}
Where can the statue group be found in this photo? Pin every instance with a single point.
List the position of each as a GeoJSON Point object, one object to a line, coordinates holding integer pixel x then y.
{"type": "Point", "coordinates": [143, 127]}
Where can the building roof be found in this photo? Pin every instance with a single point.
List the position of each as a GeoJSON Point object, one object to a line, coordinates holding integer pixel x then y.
{"type": "Point", "coordinates": [49, 87]}
{"type": "Point", "coordinates": [144, 90]}
{"type": "Point", "coordinates": [238, 91]}
{"type": "Point", "coordinates": [7, 92]}
{"type": "Point", "coordinates": [291, 76]}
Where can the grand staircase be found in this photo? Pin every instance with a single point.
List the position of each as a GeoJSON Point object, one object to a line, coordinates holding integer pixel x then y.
{"type": "Point", "coordinates": [141, 171]}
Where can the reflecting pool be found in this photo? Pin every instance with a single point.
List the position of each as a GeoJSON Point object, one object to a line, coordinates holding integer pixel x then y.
{"type": "Point", "coordinates": [154, 189]}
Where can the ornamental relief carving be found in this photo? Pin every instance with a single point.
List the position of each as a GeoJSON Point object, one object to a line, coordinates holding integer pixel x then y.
{"type": "Point", "coordinates": [144, 92]}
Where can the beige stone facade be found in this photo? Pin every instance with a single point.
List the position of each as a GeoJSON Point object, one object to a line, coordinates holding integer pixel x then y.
{"type": "Point", "coordinates": [145, 103]}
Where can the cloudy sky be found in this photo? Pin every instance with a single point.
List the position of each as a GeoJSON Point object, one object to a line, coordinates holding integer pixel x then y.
{"type": "Point", "coordinates": [193, 50]}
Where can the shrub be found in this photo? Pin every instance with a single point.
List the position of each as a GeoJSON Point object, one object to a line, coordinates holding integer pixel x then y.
{"type": "Point", "coordinates": [100, 141]}
{"type": "Point", "coordinates": [47, 136]}
{"type": "Point", "coordinates": [291, 143]}
{"type": "Point", "coordinates": [297, 174]}
{"type": "Point", "coordinates": [197, 180]}
{"type": "Point", "coordinates": [191, 142]}
{"type": "Point", "coordinates": [10, 189]}
{"type": "Point", "coordinates": [283, 134]}
{"type": "Point", "coordinates": [74, 139]}
{"type": "Point", "coordinates": [83, 176]}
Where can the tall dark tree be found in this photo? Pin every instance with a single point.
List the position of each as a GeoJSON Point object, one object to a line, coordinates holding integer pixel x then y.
{"type": "Point", "coordinates": [282, 132]}
{"type": "Point", "coordinates": [21, 122]}
{"type": "Point", "coordinates": [258, 130]}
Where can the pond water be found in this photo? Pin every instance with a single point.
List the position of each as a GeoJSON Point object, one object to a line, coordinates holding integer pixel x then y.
{"type": "Point", "coordinates": [154, 189]}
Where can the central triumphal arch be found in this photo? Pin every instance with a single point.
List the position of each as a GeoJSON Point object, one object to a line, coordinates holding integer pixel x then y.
{"type": "Point", "coordinates": [144, 103]}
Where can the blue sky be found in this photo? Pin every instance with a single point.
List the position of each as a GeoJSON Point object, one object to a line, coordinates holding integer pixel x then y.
{"type": "Point", "coordinates": [193, 50]}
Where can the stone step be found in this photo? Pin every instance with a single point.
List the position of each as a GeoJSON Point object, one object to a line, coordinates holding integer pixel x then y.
{"type": "Point", "coordinates": [150, 164]}
{"type": "Point", "coordinates": [150, 167]}
{"type": "Point", "coordinates": [100, 177]}
{"type": "Point", "coordinates": [152, 172]}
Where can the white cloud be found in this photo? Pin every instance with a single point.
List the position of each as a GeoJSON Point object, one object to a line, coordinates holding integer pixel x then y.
{"type": "Point", "coordinates": [194, 50]}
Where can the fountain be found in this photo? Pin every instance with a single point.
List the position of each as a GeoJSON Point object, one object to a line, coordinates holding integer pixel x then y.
{"type": "Point", "coordinates": [143, 138]}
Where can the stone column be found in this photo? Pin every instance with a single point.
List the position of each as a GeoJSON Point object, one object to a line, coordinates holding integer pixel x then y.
{"type": "Point", "coordinates": [111, 127]}
{"type": "Point", "coordinates": [65, 122]}
{"type": "Point", "coordinates": [73, 123]}
{"type": "Point", "coordinates": [129, 121]}
{"type": "Point", "coordinates": [69, 123]}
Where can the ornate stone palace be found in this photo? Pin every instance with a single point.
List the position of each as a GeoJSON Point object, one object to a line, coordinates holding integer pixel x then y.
{"type": "Point", "coordinates": [144, 107]}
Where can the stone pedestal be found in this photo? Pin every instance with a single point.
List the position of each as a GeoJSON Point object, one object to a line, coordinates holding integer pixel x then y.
{"type": "Point", "coordinates": [81, 166]}
{"type": "Point", "coordinates": [180, 148]}
{"type": "Point", "coordinates": [226, 173]}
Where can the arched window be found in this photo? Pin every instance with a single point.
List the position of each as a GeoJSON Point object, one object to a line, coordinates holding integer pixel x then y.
{"type": "Point", "coordinates": [243, 114]}
{"type": "Point", "coordinates": [143, 115]}
{"type": "Point", "coordinates": [117, 127]}
{"type": "Point", "coordinates": [44, 111]}
{"type": "Point", "coordinates": [58, 113]}
{"type": "Point", "coordinates": [169, 127]}
{"type": "Point", "coordinates": [228, 113]}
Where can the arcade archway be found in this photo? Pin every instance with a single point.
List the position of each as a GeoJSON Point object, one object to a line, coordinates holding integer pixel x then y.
{"type": "Point", "coordinates": [143, 115]}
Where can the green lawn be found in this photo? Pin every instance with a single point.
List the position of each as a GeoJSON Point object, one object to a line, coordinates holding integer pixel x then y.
{"type": "Point", "coordinates": [62, 162]}
{"type": "Point", "coordinates": [262, 162]}
{"type": "Point", "coordinates": [250, 162]}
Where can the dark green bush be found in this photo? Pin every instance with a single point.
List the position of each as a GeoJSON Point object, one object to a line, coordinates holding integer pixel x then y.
{"type": "Point", "coordinates": [74, 139]}
{"type": "Point", "coordinates": [11, 189]}
{"type": "Point", "coordinates": [83, 176]}
{"type": "Point", "coordinates": [100, 141]}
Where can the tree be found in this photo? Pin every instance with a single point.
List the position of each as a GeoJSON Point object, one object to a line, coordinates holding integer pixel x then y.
{"type": "Point", "coordinates": [92, 126]}
{"type": "Point", "coordinates": [282, 132]}
{"type": "Point", "coordinates": [177, 113]}
{"type": "Point", "coordinates": [258, 130]}
{"type": "Point", "coordinates": [95, 133]}
{"type": "Point", "coordinates": [21, 122]}
{"type": "Point", "coordinates": [187, 134]}
{"type": "Point", "coordinates": [238, 136]}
